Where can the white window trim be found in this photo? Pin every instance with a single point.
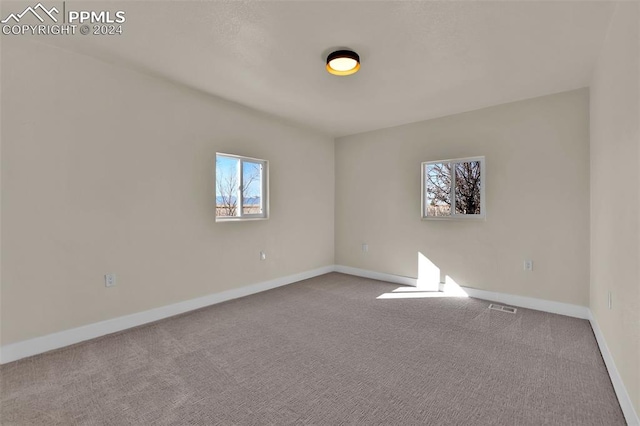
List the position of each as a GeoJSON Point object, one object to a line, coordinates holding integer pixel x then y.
{"type": "Point", "coordinates": [264, 199]}
{"type": "Point", "coordinates": [454, 215]}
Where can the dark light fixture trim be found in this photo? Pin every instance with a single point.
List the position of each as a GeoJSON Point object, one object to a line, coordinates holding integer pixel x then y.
{"type": "Point", "coordinates": [343, 62]}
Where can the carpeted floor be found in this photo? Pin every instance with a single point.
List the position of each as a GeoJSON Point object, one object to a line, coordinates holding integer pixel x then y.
{"type": "Point", "coordinates": [324, 351]}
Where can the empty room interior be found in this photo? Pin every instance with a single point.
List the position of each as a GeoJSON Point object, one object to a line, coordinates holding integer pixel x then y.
{"type": "Point", "coordinates": [320, 212]}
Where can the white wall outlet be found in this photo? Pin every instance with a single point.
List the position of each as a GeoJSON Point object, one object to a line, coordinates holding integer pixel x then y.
{"type": "Point", "coordinates": [365, 248]}
{"type": "Point", "coordinates": [609, 300]}
{"type": "Point", "coordinates": [263, 255]}
{"type": "Point", "coordinates": [110, 280]}
{"type": "Point", "coordinates": [528, 265]}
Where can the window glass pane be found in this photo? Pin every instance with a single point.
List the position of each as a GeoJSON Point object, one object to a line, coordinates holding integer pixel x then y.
{"type": "Point", "coordinates": [252, 187]}
{"type": "Point", "coordinates": [437, 185]}
{"type": "Point", "coordinates": [468, 187]}
{"type": "Point", "coordinates": [227, 183]}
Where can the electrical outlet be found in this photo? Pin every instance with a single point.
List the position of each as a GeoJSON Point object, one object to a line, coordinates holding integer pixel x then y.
{"type": "Point", "coordinates": [528, 265]}
{"type": "Point", "coordinates": [365, 248]}
{"type": "Point", "coordinates": [110, 280]}
{"type": "Point", "coordinates": [263, 255]}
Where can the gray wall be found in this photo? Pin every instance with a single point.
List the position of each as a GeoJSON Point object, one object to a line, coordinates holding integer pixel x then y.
{"type": "Point", "coordinates": [537, 198]}
{"type": "Point", "coordinates": [108, 170]}
{"type": "Point", "coordinates": [615, 194]}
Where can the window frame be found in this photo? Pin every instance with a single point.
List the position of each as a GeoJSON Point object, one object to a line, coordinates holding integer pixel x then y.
{"type": "Point", "coordinates": [264, 198]}
{"type": "Point", "coordinates": [454, 215]}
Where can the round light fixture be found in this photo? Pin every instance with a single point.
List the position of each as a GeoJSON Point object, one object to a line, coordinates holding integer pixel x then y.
{"type": "Point", "coordinates": [343, 62]}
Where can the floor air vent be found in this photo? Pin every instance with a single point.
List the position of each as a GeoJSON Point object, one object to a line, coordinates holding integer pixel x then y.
{"type": "Point", "coordinates": [501, 308]}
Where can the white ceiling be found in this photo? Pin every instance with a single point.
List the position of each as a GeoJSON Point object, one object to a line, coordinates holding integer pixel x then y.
{"type": "Point", "coordinates": [420, 60]}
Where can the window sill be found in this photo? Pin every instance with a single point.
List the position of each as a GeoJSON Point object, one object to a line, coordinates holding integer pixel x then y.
{"type": "Point", "coordinates": [239, 219]}
{"type": "Point", "coordinates": [469, 217]}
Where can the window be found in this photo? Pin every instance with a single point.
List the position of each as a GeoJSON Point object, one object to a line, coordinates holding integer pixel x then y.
{"type": "Point", "coordinates": [453, 189]}
{"type": "Point", "coordinates": [241, 188]}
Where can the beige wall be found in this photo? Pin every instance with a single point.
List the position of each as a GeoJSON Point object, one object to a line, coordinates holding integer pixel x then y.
{"type": "Point", "coordinates": [108, 170]}
{"type": "Point", "coordinates": [615, 194]}
{"type": "Point", "coordinates": [537, 198]}
{"type": "Point", "coordinates": [105, 170]}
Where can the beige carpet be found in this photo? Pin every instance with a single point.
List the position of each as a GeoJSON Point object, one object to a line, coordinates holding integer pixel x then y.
{"type": "Point", "coordinates": [324, 351]}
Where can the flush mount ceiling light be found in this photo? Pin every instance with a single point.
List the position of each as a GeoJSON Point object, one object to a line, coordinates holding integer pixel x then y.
{"type": "Point", "coordinates": [343, 62]}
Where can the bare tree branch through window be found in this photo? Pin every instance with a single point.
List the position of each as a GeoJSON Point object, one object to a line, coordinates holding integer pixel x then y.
{"type": "Point", "coordinates": [463, 177]}
{"type": "Point", "coordinates": [239, 181]}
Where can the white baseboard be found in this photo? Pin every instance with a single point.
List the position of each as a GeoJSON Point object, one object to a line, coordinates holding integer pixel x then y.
{"type": "Point", "coordinates": [509, 299]}
{"type": "Point", "coordinates": [624, 399]}
{"type": "Point", "coordinates": [567, 309]}
{"type": "Point", "coordinates": [550, 306]}
{"type": "Point", "coordinates": [38, 345]}
{"type": "Point", "coordinates": [380, 276]}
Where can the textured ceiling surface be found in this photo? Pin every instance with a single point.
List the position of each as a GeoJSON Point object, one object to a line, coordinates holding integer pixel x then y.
{"type": "Point", "coordinates": [420, 60]}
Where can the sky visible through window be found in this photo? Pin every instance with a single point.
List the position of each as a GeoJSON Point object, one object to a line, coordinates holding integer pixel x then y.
{"type": "Point", "coordinates": [227, 185]}
{"type": "Point", "coordinates": [438, 185]}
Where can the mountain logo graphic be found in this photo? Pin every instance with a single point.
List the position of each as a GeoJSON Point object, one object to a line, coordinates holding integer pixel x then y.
{"type": "Point", "coordinates": [34, 11]}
